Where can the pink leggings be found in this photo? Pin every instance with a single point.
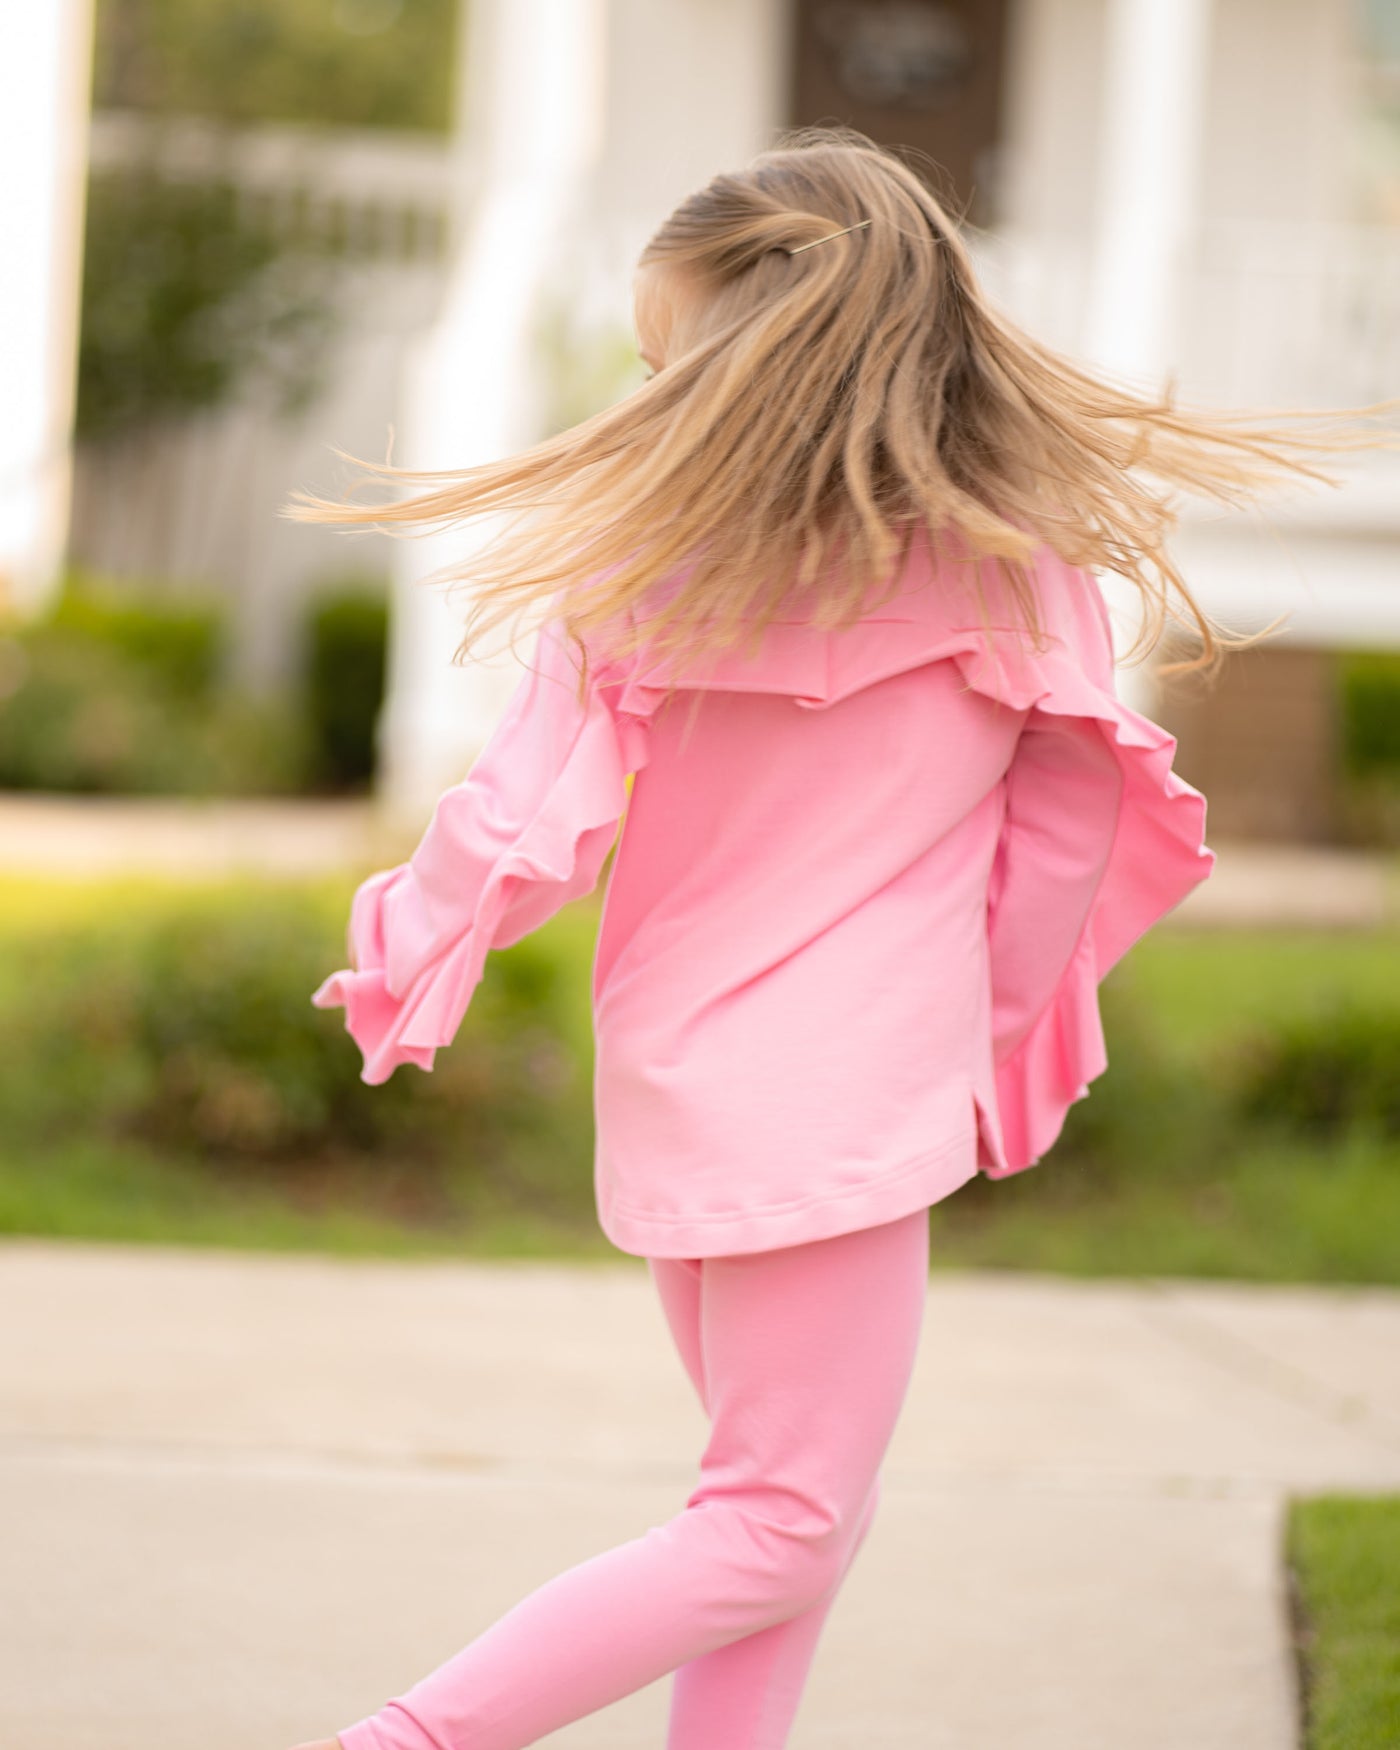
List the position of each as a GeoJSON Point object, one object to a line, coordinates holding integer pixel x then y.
{"type": "Point", "coordinates": [802, 1358]}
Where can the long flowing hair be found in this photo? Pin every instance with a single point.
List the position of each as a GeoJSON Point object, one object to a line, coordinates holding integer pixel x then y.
{"type": "Point", "coordinates": [817, 408]}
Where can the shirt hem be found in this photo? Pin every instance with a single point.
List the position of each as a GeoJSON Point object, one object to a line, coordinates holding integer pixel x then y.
{"type": "Point", "coordinates": [724, 1234]}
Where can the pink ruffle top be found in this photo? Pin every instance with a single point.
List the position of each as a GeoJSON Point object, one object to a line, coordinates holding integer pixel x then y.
{"type": "Point", "coordinates": [867, 885]}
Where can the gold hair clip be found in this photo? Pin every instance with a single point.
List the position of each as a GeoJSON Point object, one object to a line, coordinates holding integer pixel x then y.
{"type": "Point", "coordinates": [801, 246]}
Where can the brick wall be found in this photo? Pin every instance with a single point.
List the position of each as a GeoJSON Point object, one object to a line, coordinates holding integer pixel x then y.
{"type": "Point", "coordinates": [1262, 742]}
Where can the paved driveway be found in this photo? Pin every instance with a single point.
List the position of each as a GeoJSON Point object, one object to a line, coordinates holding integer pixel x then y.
{"type": "Point", "coordinates": [93, 837]}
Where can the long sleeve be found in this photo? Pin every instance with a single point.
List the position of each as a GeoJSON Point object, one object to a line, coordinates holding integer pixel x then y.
{"type": "Point", "coordinates": [1100, 839]}
{"type": "Point", "coordinates": [527, 830]}
{"type": "Point", "coordinates": [1063, 793]}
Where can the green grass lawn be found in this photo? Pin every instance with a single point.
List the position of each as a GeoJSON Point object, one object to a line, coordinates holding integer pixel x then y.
{"type": "Point", "coordinates": [1276, 1213]}
{"type": "Point", "coordinates": [111, 1191]}
{"type": "Point", "coordinates": [1275, 1208]}
{"type": "Point", "coordinates": [1265, 1208]}
{"type": "Point", "coordinates": [1276, 1217]}
{"type": "Point", "coordinates": [1344, 1560]}
{"type": "Point", "coordinates": [1207, 985]}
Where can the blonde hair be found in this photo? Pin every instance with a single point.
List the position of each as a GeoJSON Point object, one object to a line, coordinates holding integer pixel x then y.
{"type": "Point", "coordinates": [818, 406]}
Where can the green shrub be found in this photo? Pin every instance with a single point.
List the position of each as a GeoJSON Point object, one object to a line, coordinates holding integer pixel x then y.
{"type": "Point", "coordinates": [77, 717]}
{"type": "Point", "coordinates": [1370, 696]}
{"type": "Point", "coordinates": [1151, 1109]}
{"type": "Point", "coordinates": [1152, 1117]}
{"type": "Point", "coordinates": [1368, 810]}
{"type": "Point", "coordinates": [191, 1028]}
{"type": "Point", "coordinates": [1325, 1073]}
{"type": "Point", "coordinates": [115, 692]}
{"type": "Point", "coordinates": [178, 645]}
{"type": "Point", "coordinates": [346, 637]}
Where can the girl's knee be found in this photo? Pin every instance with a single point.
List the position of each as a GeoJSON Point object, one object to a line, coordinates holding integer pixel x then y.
{"type": "Point", "coordinates": [816, 1573]}
{"type": "Point", "coordinates": [798, 1563]}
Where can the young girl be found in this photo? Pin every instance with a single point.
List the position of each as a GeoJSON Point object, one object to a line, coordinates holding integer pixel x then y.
{"type": "Point", "coordinates": [823, 590]}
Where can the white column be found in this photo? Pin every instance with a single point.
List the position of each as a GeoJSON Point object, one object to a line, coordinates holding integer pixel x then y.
{"type": "Point", "coordinates": [564, 189]}
{"type": "Point", "coordinates": [45, 83]}
{"type": "Point", "coordinates": [1155, 65]}
{"type": "Point", "coordinates": [532, 106]}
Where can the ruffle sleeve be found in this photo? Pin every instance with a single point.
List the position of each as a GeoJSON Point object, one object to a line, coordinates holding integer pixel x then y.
{"type": "Point", "coordinates": [527, 830]}
{"type": "Point", "coordinates": [1100, 836]}
{"type": "Point", "coordinates": [1101, 839]}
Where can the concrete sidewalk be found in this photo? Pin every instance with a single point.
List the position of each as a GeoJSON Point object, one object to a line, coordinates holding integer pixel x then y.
{"type": "Point", "coordinates": [249, 1497]}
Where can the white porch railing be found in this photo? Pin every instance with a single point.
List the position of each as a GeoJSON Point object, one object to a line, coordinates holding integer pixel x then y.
{"type": "Point", "coordinates": [1266, 316]}
{"type": "Point", "coordinates": [385, 195]}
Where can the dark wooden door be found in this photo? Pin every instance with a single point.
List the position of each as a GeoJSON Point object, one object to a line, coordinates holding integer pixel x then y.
{"type": "Point", "coordinates": [910, 73]}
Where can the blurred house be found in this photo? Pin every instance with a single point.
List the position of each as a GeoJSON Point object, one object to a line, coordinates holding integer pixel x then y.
{"type": "Point", "coordinates": [1193, 187]}
{"type": "Point", "coordinates": [1203, 188]}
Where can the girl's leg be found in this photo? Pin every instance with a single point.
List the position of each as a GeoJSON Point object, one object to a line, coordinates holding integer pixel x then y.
{"type": "Point", "coordinates": [808, 1352]}
{"type": "Point", "coordinates": [747, 1692]}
